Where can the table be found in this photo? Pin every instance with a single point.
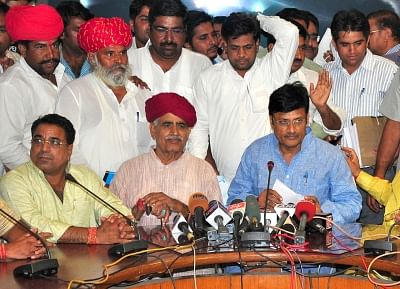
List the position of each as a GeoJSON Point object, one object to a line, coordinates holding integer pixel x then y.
{"type": "Point", "coordinates": [86, 262]}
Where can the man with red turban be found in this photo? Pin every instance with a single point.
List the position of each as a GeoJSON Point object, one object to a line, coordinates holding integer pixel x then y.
{"type": "Point", "coordinates": [29, 88]}
{"type": "Point", "coordinates": [106, 109]}
{"type": "Point", "coordinates": [165, 177]}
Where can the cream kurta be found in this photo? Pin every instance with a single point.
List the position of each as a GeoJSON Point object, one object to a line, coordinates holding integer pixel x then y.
{"type": "Point", "coordinates": [146, 174]}
{"type": "Point", "coordinates": [28, 192]}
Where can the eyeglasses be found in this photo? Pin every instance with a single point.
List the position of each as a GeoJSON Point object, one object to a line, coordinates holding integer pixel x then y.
{"type": "Point", "coordinates": [374, 31]}
{"type": "Point", "coordinates": [53, 142]}
{"type": "Point", "coordinates": [165, 30]}
{"type": "Point", "coordinates": [285, 122]}
{"type": "Point", "coordinates": [314, 37]}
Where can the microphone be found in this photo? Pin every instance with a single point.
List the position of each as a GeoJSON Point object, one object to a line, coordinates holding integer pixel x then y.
{"type": "Point", "coordinates": [305, 211]}
{"type": "Point", "coordinates": [72, 179]}
{"type": "Point", "coordinates": [38, 268]}
{"type": "Point", "coordinates": [284, 212]}
{"type": "Point", "coordinates": [237, 210]}
{"type": "Point", "coordinates": [270, 166]}
{"type": "Point", "coordinates": [198, 204]}
{"type": "Point", "coordinates": [218, 216]}
{"type": "Point", "coordinates": [181, 231]}
{"type": "Point", "coordinates": [120, 249]}
{"type": "Point", "coordinates": [253, 212]}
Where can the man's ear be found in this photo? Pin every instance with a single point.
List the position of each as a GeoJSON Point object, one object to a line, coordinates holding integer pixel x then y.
{"type": "Point", "coordinates": [91, 57]}
{"type": "Point", "coordinates": [188, 46]}
{"type": "Point", "coordinates": [152, 130]}
{"type": "Point", "coordinates": [132, 25]}
{"type": "Point", "coordinates": [271, 122]}
{"type": "Point", "coordinates": [62, 36]}
{"type": "Point", "coordinates": [22, 49]}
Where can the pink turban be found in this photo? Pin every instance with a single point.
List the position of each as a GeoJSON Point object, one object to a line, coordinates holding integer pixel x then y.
{"type": "Point", "coordinates": [100, 32]}
{"type": "Point", "coordinates": [169, 102]}
{"type": "Point", "coordinates": [37, 23]}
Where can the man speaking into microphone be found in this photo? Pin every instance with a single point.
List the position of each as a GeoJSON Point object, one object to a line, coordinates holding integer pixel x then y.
{"type": "Point", "coordinates": [165, 177]}
{"type": "Point", "coordinates": [309, 166]}
{"type": "Point", "coordinates": [42, 192]}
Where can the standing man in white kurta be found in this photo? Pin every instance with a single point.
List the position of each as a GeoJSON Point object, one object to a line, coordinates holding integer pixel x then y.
{"type": "Point", "coordinates": [164, 65]}
{"type": "Point", "coordinates": [29, 88]}
{"type": "Point", "coordinates": [231, 98]}
{"type": "Point", "coordinates": [105, 108]}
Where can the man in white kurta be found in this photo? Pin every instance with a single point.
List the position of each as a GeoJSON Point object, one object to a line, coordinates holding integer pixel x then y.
{"type": "Point", "coordinates": [109, 117]}
{"type": "Point", "coordinates": [233, 109]}
{"type": "Point", "coordinates": [164, 64]}
{"type": "Point", "coordinates": [29, 88]}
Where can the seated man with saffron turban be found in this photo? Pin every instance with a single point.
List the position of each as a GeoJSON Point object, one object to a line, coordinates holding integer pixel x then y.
{"type": "Point", "coordinates": [165, 177]}
{"type": "Point", "coordinates": [106, 109]}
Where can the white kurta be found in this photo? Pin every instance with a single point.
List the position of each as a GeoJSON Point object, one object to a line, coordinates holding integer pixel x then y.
{"type": "Point", "coordinates": [232, 109]}
{"type": "Point", "coordinates": [178, 79]}
{"type": "Point", "coordinates": [108, 132]}
{"type": "Point", "coordinates": [307, 76]}
{"type": "Point", "coordinates": [24, 96]}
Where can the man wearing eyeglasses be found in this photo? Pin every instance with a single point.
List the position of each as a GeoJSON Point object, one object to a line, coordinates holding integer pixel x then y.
{"type": "Point", "coordinates": [384, 35]}
{"type": "Point", "coordinates": [307, 165]}
{"type": "Point", "coordinates": [165, 65]}
{"type": "Point", "coordinates": [39, 191]}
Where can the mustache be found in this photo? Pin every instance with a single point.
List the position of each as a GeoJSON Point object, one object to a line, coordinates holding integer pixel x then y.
{"type": "Point", "coordinates": [49, 61]}
{"type": "Point", "coordinates": [168, 44]}
{"type": "Point", "coordinates": [214, 47]}
{"type": "Point", "coordinates": [174, 137]}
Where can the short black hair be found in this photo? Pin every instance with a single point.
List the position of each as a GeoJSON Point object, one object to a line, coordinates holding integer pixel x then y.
{"type": "Point", "coordinates": [297, 14]}
{"type": "Point", "coordinates": [4, 8]}
{"type": "Point", "coordinates": [59, 121]}
{"type": "Point", "coordinates": [69, 9]}
{"type": "Point", "coordinates": [137, 5]}
{"type": "Point", "coordinates": [387, 19]}
{"type": "Point", "coordinates": [238, 24]}
{"type": "Point", "coordinates": [167, 8]}
{"type": "Point", "coordinates": [352, 20]}
{"type": "Point", "coordinates": [219, 19]}
{"type": "Point", "coordinates": [193, 19]}
{"type": "Point", "coordinates": [289, 97]}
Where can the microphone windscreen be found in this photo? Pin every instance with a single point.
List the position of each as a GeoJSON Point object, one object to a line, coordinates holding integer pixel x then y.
{"type": "Point", "coordinates": [236, 201]}
{"type": "Point", "coordinates": [306, 207]}
{"type": "Point", "coordinates": [197, 200]}
{"type": "Point", "coordinates": [252, 208]}
{"type": "Point", "coordinates": [270, 165]}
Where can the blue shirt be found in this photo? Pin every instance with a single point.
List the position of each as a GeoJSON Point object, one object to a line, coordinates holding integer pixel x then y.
{"type": "Point", "coordinates": [85, 69]}
{"type": "Point", "coordinates": [318, 169]}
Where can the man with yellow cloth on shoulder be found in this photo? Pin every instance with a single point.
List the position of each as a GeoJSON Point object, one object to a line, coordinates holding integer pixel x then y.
{"type": "Point", "coordinates": [386, 193]}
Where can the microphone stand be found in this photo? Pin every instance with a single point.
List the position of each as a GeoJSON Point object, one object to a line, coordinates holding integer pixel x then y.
{"type": "Point", "coordinates": [45, 267]}
{"type": "Point", "coordinates": [120, 249]}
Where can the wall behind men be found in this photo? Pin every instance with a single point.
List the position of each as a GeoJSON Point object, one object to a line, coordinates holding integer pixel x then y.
{"type": "Point", "coordinates": [323, 9]}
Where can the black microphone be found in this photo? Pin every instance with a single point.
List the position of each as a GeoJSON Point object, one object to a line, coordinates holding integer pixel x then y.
{"type": "Point", "coordinates": [282, 219]}
{"type": "Point", "coordinates": [120, 249]}
{"type": "Point", "coordinates": [316, 226]}
{"type": "Point", "coordinates": [71, 178]}
{"type": "Point", "coordinates": [218, 216]}
{"type": "Point", "coordinates": [270, 166]}
{"type": "Point", "coordinates": [38, 268]}
{"type": "Point", "coordinates": [237, 209]}
{"type": "Point", "coordinates": [305, 211]}
{"type": "Point", "coordinates": [198, 204]}
{"type": "Point", "coordinates": [184, 227]}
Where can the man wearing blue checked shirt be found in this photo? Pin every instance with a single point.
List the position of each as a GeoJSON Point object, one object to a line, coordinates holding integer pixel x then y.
{"type": "Point", "coordinates": [309, 166]}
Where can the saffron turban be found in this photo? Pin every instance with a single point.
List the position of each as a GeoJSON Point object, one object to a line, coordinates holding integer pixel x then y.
{"type": "Point", "coordinates": [100, 32]}
{"type": "Point", "coordinates": [37, 23]}
{"type": "Point", "coordinates": [169, 102]}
